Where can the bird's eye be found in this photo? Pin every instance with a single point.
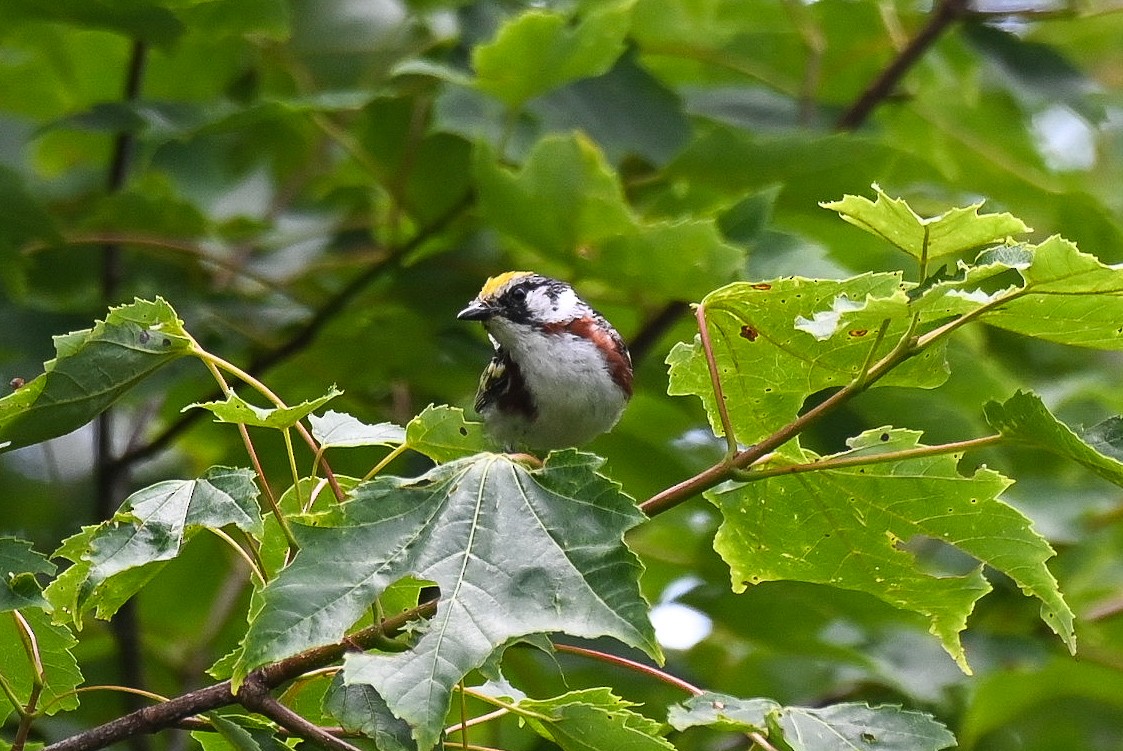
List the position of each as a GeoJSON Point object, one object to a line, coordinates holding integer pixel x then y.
{"type": "Point", "coordinates": [518, 294]}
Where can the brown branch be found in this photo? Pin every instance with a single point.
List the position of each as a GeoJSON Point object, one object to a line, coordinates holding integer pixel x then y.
{"type": "Point", "coordinates": [946, 13]}
{"type": "Point", "coordinates": [170, 713]}
{"type": "Point", "coordinates": [254, 695]}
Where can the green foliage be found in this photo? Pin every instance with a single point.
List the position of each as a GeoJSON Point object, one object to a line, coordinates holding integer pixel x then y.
{"type": "Point", "coordinates": [318, 188]}
{"type": "Point", "coordinates": [92, 369]}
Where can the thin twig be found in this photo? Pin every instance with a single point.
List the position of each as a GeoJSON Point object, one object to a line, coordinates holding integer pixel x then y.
{"type": "Point", "coordinates": [638, 667]}
{"type": "Point", "coordinates": [943, 16]}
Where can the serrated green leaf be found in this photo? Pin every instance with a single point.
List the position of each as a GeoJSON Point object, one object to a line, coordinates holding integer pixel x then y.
{"type": "Point", "coordinates": [593, 720]}
{"type": "Point", "coordinates": [359, 708]}
{"type": "Point", "coordinates": [860, 727]}
{"type": "Point", "coordinates": [441, 433]}
{"type": "Point", "coordinates": [773, 352]}
{"type": "Point", "coordinates": [1068, 297]}
{"type": "Point", "coordinates": [92, 369]}
{"type": "Point", "coordinates": [1025, 418]}
{"type": "Point", "coordinates": [931, 239]}
{"type": "Point", "coordinates": [540, 50]}
{"type": "Point", "coordinates": [467, 526]}
{"type": "Point", "coordinates": [112, 561]}
{"type": "Point", "coordinates": [237, 410]}
{"type": "Point", "coordinates": [341, 430]}
{"type": "Point", "coordinates": [1050, 291]}
{"type": "Point", "coordinates": [18, 566]}
{"type": "Point", "coordinates": [845, 527]}
{"type": "Point", "coordinates": [722, 712]}
{"type": "Point", "coordinates": [60, 670]}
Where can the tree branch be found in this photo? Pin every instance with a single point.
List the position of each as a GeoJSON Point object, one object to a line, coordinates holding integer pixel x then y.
{"type": "Point", "coordinates": [170, 713]}
{"type": "Point", "coordinates": [254, 695]}
{"type": "Point", "coordinates": [943, 16]}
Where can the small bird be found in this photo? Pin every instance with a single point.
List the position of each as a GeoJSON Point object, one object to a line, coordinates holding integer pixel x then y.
{"type": "Point", "coordinates": [561, 374]}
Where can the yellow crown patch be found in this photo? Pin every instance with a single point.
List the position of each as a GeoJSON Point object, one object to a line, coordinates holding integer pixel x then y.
{"type": "Point", "coordinates": [493, 285]}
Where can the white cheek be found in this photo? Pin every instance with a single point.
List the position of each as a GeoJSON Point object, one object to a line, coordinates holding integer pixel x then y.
{"type": "Point", "coordinates": [567, 307]}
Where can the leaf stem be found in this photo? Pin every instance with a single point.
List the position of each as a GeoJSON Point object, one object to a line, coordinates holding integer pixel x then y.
{"type": "Point", "coordinates": [259, 571]}
{"type": "Point", "coordinates": [398, 451]}
{"type": "Point", "coordinates": [28, 712]}
{"type": "Point", "coordinates": [480, 720]}
{"type": "Point", "coordinates": [715, 381]}
{"type": "Point", "coordinates": [268, 393]}
{"type": "Point", "coordinates": [638, 667]}
{"type": "Point", "coordinates": [292, 467]}
{"type": "Point", "coordinates": [844, 460]}
{"type": "Point", "coordinates": [211, 363]}
{"type": "Point", "coordinates": [512, 708]}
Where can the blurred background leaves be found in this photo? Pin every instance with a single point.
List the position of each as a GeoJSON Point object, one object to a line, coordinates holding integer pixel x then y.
{"type": "Point", "coordinates": [318, 187]}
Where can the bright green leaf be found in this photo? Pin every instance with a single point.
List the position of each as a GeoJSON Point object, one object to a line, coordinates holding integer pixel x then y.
{"type": "Point", "coordinates": [593, 720]}
{"type": "Point", "coordinates": [849, 527]}
{"type": "Point", "coordinates": [442, 434]}
{"type": "Point", "coordinates": [93, 368]}
{"type": "Point", "coordinates": [1025, 418]}
{"type": "Point", "coordinates": [466, 526]}
{"type": "Point", "coordinates": [778, 342]}
{"type": "Point", "coordinates": [931, 239]}
{"type": "Point", "coordinates": [60, 669]}
{"type": "Point", "coordinates": [235, 409]}
{"type": "Point", "coordinates": [541, 50]}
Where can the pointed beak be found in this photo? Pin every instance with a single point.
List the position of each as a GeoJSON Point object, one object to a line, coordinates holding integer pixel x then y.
{"type": "Point", "coordinates": [477, 310]}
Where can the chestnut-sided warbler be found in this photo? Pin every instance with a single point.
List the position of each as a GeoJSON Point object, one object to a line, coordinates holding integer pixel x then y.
{"type": "Point", "coordinates": [560, 375]}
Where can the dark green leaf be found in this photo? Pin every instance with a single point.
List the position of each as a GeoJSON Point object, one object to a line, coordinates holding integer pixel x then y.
{"type": "Point", "coordinates": [360, 709]}
{"type": "Point", "coordinates": [114, 559]}
{"type": "Point", "coordinates": [465, 525]}
{"type": "Point", "coordinates": [94, 367]}
{"type": "Point", "coordinates": [18, 566]}
{"type": "Point", "coordinates": [860, 727]}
